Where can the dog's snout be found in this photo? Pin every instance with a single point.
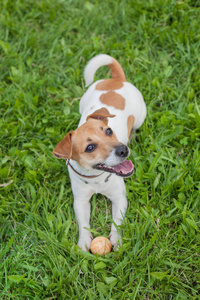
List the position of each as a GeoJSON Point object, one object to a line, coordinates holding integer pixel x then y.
{"type": "Point", "coordinates": [122, 151]}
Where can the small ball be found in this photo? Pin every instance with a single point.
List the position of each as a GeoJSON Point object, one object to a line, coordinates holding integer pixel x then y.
{"type": "Point", "coordinates": [100, 245]}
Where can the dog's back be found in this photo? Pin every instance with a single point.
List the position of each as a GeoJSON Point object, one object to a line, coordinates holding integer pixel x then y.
{"type": "Point", "coordinates": [116, 94]}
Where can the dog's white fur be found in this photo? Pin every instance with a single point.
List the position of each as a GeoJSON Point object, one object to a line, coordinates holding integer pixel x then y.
{"type": "Point", "coordinates": [112, 186]}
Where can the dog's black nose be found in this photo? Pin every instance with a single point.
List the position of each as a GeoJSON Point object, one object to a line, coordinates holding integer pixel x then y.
{"type": "Point", "coordinates": [122, 151]}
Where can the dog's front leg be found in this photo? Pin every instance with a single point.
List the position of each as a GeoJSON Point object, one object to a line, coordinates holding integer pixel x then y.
{"type": "Point", "coordinates": [117, 195]}
{"type": "Point", "coordinates": [82, 193]}
{"type": "Point", "coordinates": [119, 206]}
{"type": "Point", "coordinates": [82, 211]}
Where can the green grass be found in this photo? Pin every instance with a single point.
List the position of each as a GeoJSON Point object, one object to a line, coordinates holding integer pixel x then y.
{"type": "Point", "coordinates": [44, 47]}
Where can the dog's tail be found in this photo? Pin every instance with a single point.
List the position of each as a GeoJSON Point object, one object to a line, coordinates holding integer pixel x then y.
{"type": "Point", "coordinates": [103, 60]}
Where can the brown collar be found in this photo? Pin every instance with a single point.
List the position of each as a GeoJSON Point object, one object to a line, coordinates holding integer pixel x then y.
{"type": "Point", "coordinates": [84, 176]}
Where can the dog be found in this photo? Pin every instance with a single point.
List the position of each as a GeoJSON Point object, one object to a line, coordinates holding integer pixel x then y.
{"type": "Point", "coordinates": [96, 151]}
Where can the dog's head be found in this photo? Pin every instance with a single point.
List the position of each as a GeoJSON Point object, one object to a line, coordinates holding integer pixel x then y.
{"type": "Point", "coordinates": [95, 146]}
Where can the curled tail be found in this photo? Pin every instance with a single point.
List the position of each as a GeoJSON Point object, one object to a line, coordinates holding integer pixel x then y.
{"type": "Point", "coordinates": [103, 60]}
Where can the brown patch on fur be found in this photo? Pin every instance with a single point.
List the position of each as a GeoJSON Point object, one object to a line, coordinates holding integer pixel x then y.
{"type": "Point", "coordinates": [116, 82]}
{"type": "Point", "coordinates": [113, 99]}
{"type": "Point", "coordinates": [109, 85]}
{"type": "Point", "coordinates": [116, 70]}
{"type": "Point", "coordinates": [130, 122]}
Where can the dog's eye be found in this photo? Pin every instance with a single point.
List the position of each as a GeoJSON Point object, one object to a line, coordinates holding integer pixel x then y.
{"type": "Point", "coordinates": [109, 131]}
{"type": "Point", "coordinates": [90, 148]}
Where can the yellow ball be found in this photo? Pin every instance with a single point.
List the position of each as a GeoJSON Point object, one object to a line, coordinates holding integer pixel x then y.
{"type": "Point", "coordinates": [100, 245]}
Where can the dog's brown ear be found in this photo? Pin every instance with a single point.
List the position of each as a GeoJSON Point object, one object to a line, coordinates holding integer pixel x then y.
{"type": "Point", "coordinates": [101, 114]}
{"type": "Point", "coordinates": [64, 148]}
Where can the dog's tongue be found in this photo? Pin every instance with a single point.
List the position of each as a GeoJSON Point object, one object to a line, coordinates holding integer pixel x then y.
{"type": "Point", "coordinates": [124, 168]}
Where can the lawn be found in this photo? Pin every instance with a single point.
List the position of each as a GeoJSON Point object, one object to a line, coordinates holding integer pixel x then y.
{"type": "Point", "coordinates": [44, 47]}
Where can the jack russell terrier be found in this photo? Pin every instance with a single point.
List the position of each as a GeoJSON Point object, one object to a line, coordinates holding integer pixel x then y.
{"type": "Point", "coordinates": [96, 151]}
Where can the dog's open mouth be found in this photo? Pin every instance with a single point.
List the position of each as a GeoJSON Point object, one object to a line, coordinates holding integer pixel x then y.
{"type": "Point", "coordinates": [124, 169]}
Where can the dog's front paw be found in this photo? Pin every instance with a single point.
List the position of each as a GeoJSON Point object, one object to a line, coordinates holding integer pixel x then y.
{"type": "Point", "coordinates": [85, 241]}
{"type": "Point", "coordinates": [115, 240]}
